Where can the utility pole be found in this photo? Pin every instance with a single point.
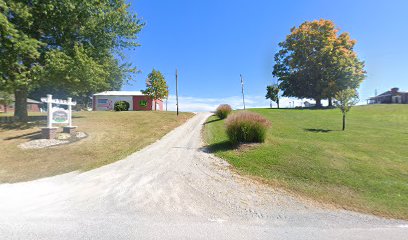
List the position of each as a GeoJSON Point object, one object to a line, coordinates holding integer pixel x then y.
{"type": "Point", "coordinates": [242, 85]}
{"type": "Point", "coordinates": [177, 103]}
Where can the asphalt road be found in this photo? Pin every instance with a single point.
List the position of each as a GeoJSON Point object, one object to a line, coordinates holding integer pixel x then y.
{"type": "Point", "coordinates": [173, 189]}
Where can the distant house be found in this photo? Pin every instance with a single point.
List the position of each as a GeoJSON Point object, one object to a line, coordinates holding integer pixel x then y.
{"type": "Point", "coordinates": [32, 105]}
{"type": "Point", "coordinates": [393, 96]}
{"type": "Point", "coordinates": [307, 104]}
{"type": "Point", "coordinates": [138, 101]}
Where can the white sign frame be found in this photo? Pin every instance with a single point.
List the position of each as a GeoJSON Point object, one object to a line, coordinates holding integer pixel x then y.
{"type": "Point", "coordinates": [50, 109]}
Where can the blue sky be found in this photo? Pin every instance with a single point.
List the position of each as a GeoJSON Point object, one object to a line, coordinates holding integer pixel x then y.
{"type": "Point", "coordinates": [213, 42]}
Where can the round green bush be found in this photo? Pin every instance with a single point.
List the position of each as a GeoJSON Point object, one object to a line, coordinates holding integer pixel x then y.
{"type": "Point", "coordinates": [246, 127]}
{"type": "Point", "coordinates": [223, 111]}
{"type": "Point", "coordinates": [121, 106]}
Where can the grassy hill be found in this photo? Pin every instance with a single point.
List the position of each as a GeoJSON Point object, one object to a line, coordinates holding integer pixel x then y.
{"type": "Point", "coordinates": [364, 168]}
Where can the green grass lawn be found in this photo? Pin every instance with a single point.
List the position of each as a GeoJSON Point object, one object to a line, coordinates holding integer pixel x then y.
{"type": "Point", "coordinates": [364, 168]}
{"type": "Point", "coordinates": [30, 114]}
{"type": "Point", "coordinates": [111, 136]}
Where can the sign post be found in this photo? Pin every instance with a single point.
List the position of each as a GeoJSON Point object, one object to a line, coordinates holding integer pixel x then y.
{"type": "Point", "coordinates": [58, 116]}
{"type": "Point", "coordinates": [49, 110]}
{"type": "Point", "coordinates": [69, 129]}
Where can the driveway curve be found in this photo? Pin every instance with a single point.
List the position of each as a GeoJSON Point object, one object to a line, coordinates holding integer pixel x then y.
{"type": "Point", "coordinates": [173, 189]}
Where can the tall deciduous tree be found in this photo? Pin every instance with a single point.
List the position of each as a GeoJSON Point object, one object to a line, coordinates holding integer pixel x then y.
{"type": "Point", "coordinates": [156, 86]}
{"type": "Point", "coordinates": [5, 100]}
{"type": "Point", "coordinates": [344, 100]}
{"type": "Point", "coordinates": [68, 44]}
{"type": "Point", "coordinates": [272, 93]}
{"type": "Point", "coordinates": [19, 52]}
{"type": "Point", "coordinates": [315, 61]}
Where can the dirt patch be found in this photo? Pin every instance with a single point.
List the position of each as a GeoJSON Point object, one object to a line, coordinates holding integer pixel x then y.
{"type": "Point", "coordinates": [244, 147]}
{"type": "Point", "coordinates": [62, 138]}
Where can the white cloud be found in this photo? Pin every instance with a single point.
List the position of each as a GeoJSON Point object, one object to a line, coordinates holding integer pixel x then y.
{"type": "Point", "coordinates": [193, 104]}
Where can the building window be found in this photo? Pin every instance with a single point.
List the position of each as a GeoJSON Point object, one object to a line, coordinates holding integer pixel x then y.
{"type": "Point", "coordinates": [143, 103]}
{"type": "Point", "coordinates": [102, 101]}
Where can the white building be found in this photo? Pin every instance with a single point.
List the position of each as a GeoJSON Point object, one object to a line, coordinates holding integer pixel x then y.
{"type": "Point", "coordinates": [105, 101]}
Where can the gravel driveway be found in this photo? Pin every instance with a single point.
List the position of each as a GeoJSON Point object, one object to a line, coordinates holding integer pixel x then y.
{"type": "Point", "coordinates": [173, 189]}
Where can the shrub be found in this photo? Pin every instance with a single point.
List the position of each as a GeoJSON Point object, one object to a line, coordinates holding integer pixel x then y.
{"type": "Point", "coordinates": [246, 127]}
{"type": "Point", "coordinates": [223, 111]}
{"type": "Point", "coordinates": [121, 106]}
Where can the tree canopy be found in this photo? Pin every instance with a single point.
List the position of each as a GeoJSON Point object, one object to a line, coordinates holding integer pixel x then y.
{"type": "Point", "coordinates": [315, 61]}
{"type": "Point", "coordinates": [345, 99]}
{"type": "Point", "coordinates": [72, 45]}
{"type": "Point", "coordinates": [156, 86]}
{"type": "Point", "coordinates": [272, 93]}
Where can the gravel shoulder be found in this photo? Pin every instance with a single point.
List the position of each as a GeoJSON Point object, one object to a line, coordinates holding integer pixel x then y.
{"type": "Point", "coordinates": [173, 189]}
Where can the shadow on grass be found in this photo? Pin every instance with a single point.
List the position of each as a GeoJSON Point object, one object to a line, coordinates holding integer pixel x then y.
{"type": "Point", "coordinates": [33, 121]}
{"type": "Point", "coordinates": [31, 136]}
{"type": "Point", "coordinates": [19, 125]}
{"type": "Point", "coordinates": [214, 120]}
{"type": "Point", "coordinates": [219, 147]}
{"type": "Point", "coordinates": [317, 130]}
{"type": "Point", "coordinates": [300, 108]}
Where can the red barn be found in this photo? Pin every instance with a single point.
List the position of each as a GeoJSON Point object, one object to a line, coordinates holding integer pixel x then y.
{"type": "Point", "coordinates": [138, 101]}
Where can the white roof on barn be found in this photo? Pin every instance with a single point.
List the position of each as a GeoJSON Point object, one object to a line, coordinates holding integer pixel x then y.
{"type": "Point", "coordinates": [120, 93]}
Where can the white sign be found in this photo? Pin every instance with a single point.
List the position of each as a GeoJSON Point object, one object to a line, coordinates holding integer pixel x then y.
{"type": "Point", "coordinates": [58, 101]}
{"type": "Point", "coordinates": [58, 115]}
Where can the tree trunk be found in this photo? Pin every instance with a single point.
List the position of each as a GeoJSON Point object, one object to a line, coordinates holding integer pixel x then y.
{"type": "Point", "coordinates": [330, 102]}
{"type": "Point", "coordinates": [344, 122]}
{"type": "Point", "coordinates": [318, 102]}
{"type": "Point", "coordinates": [5, 108]}
{"type": "Point", "coordinates": [155, 105]}
{"type": "Point", "coordinates": [20, 105]}
{"type": "Point", "coordinates": [278, 103]}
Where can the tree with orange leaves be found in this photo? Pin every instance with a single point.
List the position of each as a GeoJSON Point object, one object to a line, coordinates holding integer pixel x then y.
{"type": "Point", "coordinates": [315, 61]}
